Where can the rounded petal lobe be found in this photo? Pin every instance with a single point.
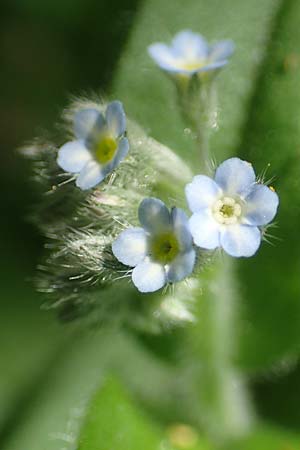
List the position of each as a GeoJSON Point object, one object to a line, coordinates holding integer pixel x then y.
{"type": "Point", "coordinates": [221, 51]}
{"type": "Point", "coordinates": [149, 276]}
{"type": "Point", "coordinates": [240, 240]}
{"type": "Point", "coordinates": [154, 215]}
{"type": "Point", "coordinates": [261, 205]}
{"type": "Point", "coordinates": [91, 175]}
{"type": "Point", "coordinates": [122, 151]}
{"type": "Point", "coordinates": [161, 54]}
{"type": "Point", "coordinates": [205, 230]}
{"type": "Point", "coordinates": [201, 192]}
{"type": "Point", "coordinates": [130, 247]}
{"type": "Point", "coordinates": [189, 45]}
{"type": "Point", "coordinates": [182, 266]}
{"type": "Point", "coordinates": [212, 66]}
{"type": "Point", "coordinates": [73, 156]}
{"type": "Point", "coordinates": [235, 176]}
{"type": "Point", "coordinates": [181, 228]}
{"type": "Point", "coordinates": [116, 118]}
{"type": "Point", "coordinates": [85, 121]}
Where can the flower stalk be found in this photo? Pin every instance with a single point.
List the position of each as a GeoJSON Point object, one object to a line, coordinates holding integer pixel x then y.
{"type": "Point", "coordinates": [198, 107]}
{"type": "Point", "coordinates": [226, 410]}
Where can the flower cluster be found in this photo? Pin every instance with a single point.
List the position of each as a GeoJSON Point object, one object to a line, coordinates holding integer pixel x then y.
{"type": "Point", "coordinates": [229, 211]}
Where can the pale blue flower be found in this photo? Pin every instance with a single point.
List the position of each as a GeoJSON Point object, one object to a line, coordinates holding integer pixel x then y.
{"type": "Point", "coordinates": [189, 53]}
{"type": "Point", "coordinates": [99, 147]}
{"type": "Point", "coordinates": [229, 210]}
{"type": "Point", "coordinates": [161, 251]}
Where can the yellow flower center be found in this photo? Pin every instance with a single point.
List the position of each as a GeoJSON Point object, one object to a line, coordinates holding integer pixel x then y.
{"type": "Point", "coordinates": [164, 247]}
{"type": "Point", "coordinates": [227, 210]}
{"type": "Point", "coordinates": [105, 149]}
{"type": "Point", "coordinates": [193, 64]}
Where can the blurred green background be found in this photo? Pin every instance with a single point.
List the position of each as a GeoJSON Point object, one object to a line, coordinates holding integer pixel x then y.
{"type": "Point", "coordinates": [49, 51]}
{"type": "Point", "coordinates": [53, 49]}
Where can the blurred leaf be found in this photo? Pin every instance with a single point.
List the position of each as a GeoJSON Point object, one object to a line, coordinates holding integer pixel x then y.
{"type": "Point", "coordinates": [55, 414]}
{"type": "Point", "coordinates": [113, 421]}
{"type": "Point", "coordinates": [247, 23]}
{"type": "Point", "coordinates": [258, 112]}
{"type": "Point", "coordinates": [31, 341]}
{"type": "Point", "coordinates": [53, 417]}
{"type": "Point", "coordinates": [271, 284]}
{"type": "Point", "coordinates": [277, 396]}
{"type": "Point", "coordinates": [268, 437]}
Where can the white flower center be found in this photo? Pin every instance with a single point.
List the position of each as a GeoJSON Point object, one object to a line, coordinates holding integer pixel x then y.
{"type": "Point", "coordinates": [227, 210]}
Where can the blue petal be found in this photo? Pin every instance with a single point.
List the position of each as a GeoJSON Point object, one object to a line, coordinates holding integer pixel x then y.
{"type": "Point", "coordinates": [181, 229]}
{"type": "Point", "coordinates": [182, 266]}
{"type": "Point", "coordinates": [235, 176]}
{"type": "Point", "coordinates": [240, 240]}
{"type": "Point", "coordinates": [86, 121]}
{"type": "Point", "coordinates": [154, 216]}
{"type": "Point", "coordinates": [73, 156]}
{"type": "Point", "coordinates": [189, 45]}
{"type": "Point", "coordinates": [205, 230]}
{"type": "Point", "coordinates": [149, 276]}
{"type": "Point", "coordinates": [167, 59]}
{"type": "Point", "coordinates": [221, 51]}
{"type": "Point", "coordinates": [121, 153]}
{"type": "Point", "coordinates": [261, 205]}
{"type": "Point", "coordinates": [161, 54]}
{"type": "Point", "coordinates": [116, 118]}
{"type": "Point", "coordinates": [212, 66]}
{"type": "Point", "coordinates": [130, 248]}
{"type": "Point", "coordinates": [201, 192]}
{"type": "Point", "coordinates": [91, 175]}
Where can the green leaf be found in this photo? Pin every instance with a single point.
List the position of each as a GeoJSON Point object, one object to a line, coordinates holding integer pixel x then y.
{"type": "Point", "coordinates": [247, 23]}
{"type": "Point", "coordinates": [114, 421]}
{"type": "Point", "coordinates": [31, 341]}
{"type": "Point", "coordinates": [55, 415]}
{"type": "Point", "coordinates": [213, 341]}
{"type": "Point", "coordinates": [268, 437]}
{"type": "Point", "coordinates": [258, 110]}
{"type": "Point", "coordinates": [271, 285]}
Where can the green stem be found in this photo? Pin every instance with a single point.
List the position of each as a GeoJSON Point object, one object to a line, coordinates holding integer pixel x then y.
{"type": "Point", "coordinates": [197, 104]}
{"type": "Point", "coordinates": [202, 140]}
{"type": "Point", "coordinates": [226, 409]}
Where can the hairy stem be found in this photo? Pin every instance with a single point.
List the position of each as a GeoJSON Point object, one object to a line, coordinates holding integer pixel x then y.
{"type": "Point", "coordinates": [226, 409]}
{"type": "Point", "coordinates": [197, 102]}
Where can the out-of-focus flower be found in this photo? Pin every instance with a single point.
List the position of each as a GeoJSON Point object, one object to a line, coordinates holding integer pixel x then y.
{"type": "Point", "coordinates": [99, 147]}
{"type": "Point", "coordinates": [189, 54]}
{"type": "Point", "coordinates": [161, 251]}
{"type": "Point", "coordinates": [229, 210]}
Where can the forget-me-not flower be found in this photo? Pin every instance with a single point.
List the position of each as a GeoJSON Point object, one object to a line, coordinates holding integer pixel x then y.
{"type": "Point", "coordinates": [161, 251]}
{"type": "Point", "coordinates": [229, 210]}
{"type": "Point", "coordinates": [189, 53]}
{"type": "Point", "coordinates": [99, 147]}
